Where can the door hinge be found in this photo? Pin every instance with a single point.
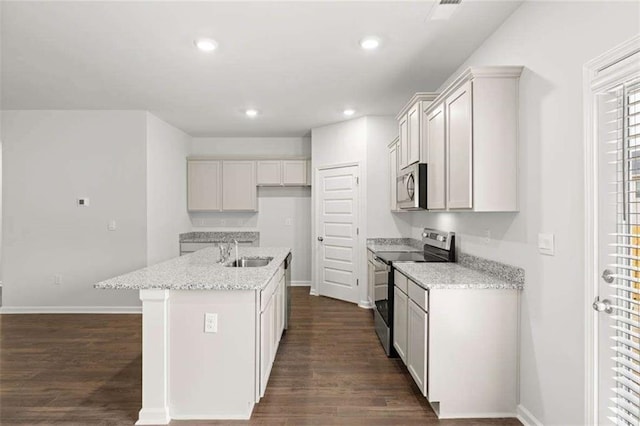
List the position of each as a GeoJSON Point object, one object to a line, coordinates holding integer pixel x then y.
{"type": "Point", "coordinates": [357, 231]}
{"type": "Point", "coordinates": [357, 282]}
{"type": "Point", "coordinates": [357, 180]}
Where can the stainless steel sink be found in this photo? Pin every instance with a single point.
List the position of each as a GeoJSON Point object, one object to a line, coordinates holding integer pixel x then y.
{"type": "Point", "coordinates": [250, 262]}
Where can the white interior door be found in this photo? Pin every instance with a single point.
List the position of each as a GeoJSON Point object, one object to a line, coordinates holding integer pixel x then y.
{"type": "Point", "coordinates": [618, 300]}
{"type": "Point", "coordinates": [337, 233]}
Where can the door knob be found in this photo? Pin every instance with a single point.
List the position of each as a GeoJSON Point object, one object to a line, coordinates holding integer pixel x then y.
{"type": "Point", "coordinates": [320, 239]}
{"type": "Point", "coordinates": [602, 305]}
{"type": "Point", "coordinates": [607, 276]}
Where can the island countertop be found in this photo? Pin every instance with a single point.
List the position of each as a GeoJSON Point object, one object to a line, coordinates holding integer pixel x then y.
{"type": "Point", "coordinates": [202, 271]}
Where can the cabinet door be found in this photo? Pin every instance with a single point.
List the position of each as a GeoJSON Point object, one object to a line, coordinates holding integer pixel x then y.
{"type": "Point", "coordinates": [204, 181]}
{"type": "Point", "coordinates": [371, 281]}
{"type": "Point", "coordinates": [417, 327]}
{"type": "Point", "coordinates": [435, 142]}
{"type": "Point", "coordinates": [393, 173]}
{"type": "Point", "coordinates": [403, 152]}
{"type": "Point", "coordinates": [239, 189]}
{"type": "Point", "coordinates": [294, 172]}
{"type": "Point", "coordinates": [269, 173]}
{"type": "Point", "coordinates": [460, 148]}
{"type": "Point", "coordinates": [266, 346]}
{"type": "Point", "coordinates": [413, 133]}
{"type": "Point", "coordinates": [400, 301]}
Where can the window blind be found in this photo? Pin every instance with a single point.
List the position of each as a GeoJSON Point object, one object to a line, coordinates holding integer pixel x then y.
{"type": "Point", "coordinates": [621, 121]}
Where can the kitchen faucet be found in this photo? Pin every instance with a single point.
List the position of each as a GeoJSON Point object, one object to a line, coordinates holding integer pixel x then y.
{"type": "Point", "coordinates": [236, 241]}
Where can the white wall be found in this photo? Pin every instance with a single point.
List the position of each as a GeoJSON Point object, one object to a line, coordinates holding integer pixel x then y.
{"type": "Point", "coordinates": [261, 147]}
{"type": "Point", "coordinates": [381, 131]}
{"type": "Point", "coordinates": [553, 40]}
{"type": "Point", "coordinates": [50, 159]}
{"type": "Point", "coordinates": [167, 216]}
{"type": "Point", "coordinates": [275, 205]}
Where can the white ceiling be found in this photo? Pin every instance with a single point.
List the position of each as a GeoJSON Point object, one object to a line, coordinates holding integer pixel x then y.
{"type": "Point", "coordinates": [298, 63]}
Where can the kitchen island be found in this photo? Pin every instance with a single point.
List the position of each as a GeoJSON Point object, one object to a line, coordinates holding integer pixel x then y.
{"type": "Point", "coordinates": [210, 333]}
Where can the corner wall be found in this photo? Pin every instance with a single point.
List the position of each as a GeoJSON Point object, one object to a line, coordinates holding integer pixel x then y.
{"type": "Point", "coordinates": [50, 159]}
{"type": "Point", "coordinates": [167, 216]}
{"type": "Point", "coordinates": [553, 40]}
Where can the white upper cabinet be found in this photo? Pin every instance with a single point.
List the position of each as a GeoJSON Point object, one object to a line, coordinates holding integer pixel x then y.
{"type": "Point", "coordinates": [269, 173]}
{"type": "Point", "coordinates": [459, 147]}
{"type": "Point", "coordinates": [204, 185]}
{"type": "Point", "coordinates": [294, 172]}
{"type": "Point", "coordinates": [413, 137]}
{"type": "Point", "coordinates": [477, 119]}
{"type": "Point", "coordinates": [283, 172]}
{"type": "Point", "coordinates": [393, 174]}
{"type": "Point", "coordinates": [239, 192]}
{"type": "Point", "coordinates": [436, 158]}
{"type": "Point", "coordinates": [403, 145]}
{"type": "Point", "coordinates": [410, 123]}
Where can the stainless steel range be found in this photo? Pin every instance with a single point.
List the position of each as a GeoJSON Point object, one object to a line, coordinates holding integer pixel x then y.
{"type": "Point", "coordinates": [438, 246]}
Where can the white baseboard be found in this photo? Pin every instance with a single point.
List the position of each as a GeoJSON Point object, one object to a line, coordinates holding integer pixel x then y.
{"type": "Point", "coordinates": [71, 310]}
{"type": "Point", "coordinates": [300, 283]}
{"type": "Point", "coordinates": [153, 416]}
{"type": "Point", "coordinates": [365, 304]}
{"type": "Point", "coordinates": [526, 418]}
{"type": "Point", "coordinates": [211, 416]}
{"type": "Point", "coordinates": [313, 292]}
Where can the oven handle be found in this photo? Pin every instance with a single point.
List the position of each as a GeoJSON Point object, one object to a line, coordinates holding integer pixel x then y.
{"type": "Point", "coordinates": [382, 263]}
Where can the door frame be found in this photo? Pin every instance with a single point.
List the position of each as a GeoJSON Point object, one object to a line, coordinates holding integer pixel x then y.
{"type": "Point", "coordinates": [361, 224]}
{"type": "Point", "coordinates": [591, 78]}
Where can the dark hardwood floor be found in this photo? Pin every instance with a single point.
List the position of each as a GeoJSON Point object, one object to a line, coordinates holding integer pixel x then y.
{"type": "Point", "coordinates": [330, 369]}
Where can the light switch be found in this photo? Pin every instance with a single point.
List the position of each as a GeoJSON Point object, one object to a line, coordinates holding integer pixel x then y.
{"type": "Point", "coordinates": [546, 244]}
{"type": "Point", "coordinates": [83, 202]}
{"type": "Point", "coordinates": [112, 226]}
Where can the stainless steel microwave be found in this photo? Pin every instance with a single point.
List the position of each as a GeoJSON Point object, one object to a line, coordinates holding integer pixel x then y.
{"type": "Point", "coordinates": [412, 187]}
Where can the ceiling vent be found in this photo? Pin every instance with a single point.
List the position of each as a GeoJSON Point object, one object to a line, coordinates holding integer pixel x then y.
{"type": "Point", "coordinates": [443, 10]}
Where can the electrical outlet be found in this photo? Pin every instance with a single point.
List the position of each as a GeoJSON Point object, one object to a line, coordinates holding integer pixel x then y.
{"type": "Point", "coordinates": [223, 222]}
{"type": "Point", "coordinates": [210, 323]}
{"type": "Point", "coordinates": [83, 202]}
{"type": "Point", "coordinates": [57, 279]}
{"type": "Point", "coordinates": [487, 236]}
{"type": "Point", "coordinates": [288, 221]}
{"type": "Point", "coordinates": [112, 226]}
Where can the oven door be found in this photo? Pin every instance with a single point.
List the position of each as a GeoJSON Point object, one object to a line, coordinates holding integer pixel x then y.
{"type": "Point", "coordinates": [383, 310]}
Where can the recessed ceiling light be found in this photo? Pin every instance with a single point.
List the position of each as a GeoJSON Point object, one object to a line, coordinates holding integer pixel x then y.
{"type": "Point", "coordinates": [349, 112]}
{"type": "Point", "coordinates": [206, 44]}
{"type": "Point", "coordinates": [370, 43]}
{"type": "Point", "coordinates": [251, 112]}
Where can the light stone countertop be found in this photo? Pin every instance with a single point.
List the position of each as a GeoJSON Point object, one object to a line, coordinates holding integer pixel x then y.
{"type": "Point", "coordinates": [377, 245]}
{"type": "Point", "coordinates": [202, 271]}
{"type": "Point", "coordinates": [219, 237]}
{"type": "Point", "coordinates": [433, 276]}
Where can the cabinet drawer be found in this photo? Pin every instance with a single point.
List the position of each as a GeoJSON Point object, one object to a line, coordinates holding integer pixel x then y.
{"type": "Point", "coordinates": [400, 281]}
{"type": "Point", "coordinates": [268, 292]}
{"type": "Point", "coordinates": [419, 295]}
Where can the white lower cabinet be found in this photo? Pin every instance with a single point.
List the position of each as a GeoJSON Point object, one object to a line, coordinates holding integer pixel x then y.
{"type": "Point", "coordinates": [266, 345]}
{"type": "Point", "coordinates": [272, 312]}
{"type": "Point", "coordinates": [400, 306]}
{"type": "Point", "coordinates": [460, 346]}
{"type": "Point", "coordinates": [417, 326]}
